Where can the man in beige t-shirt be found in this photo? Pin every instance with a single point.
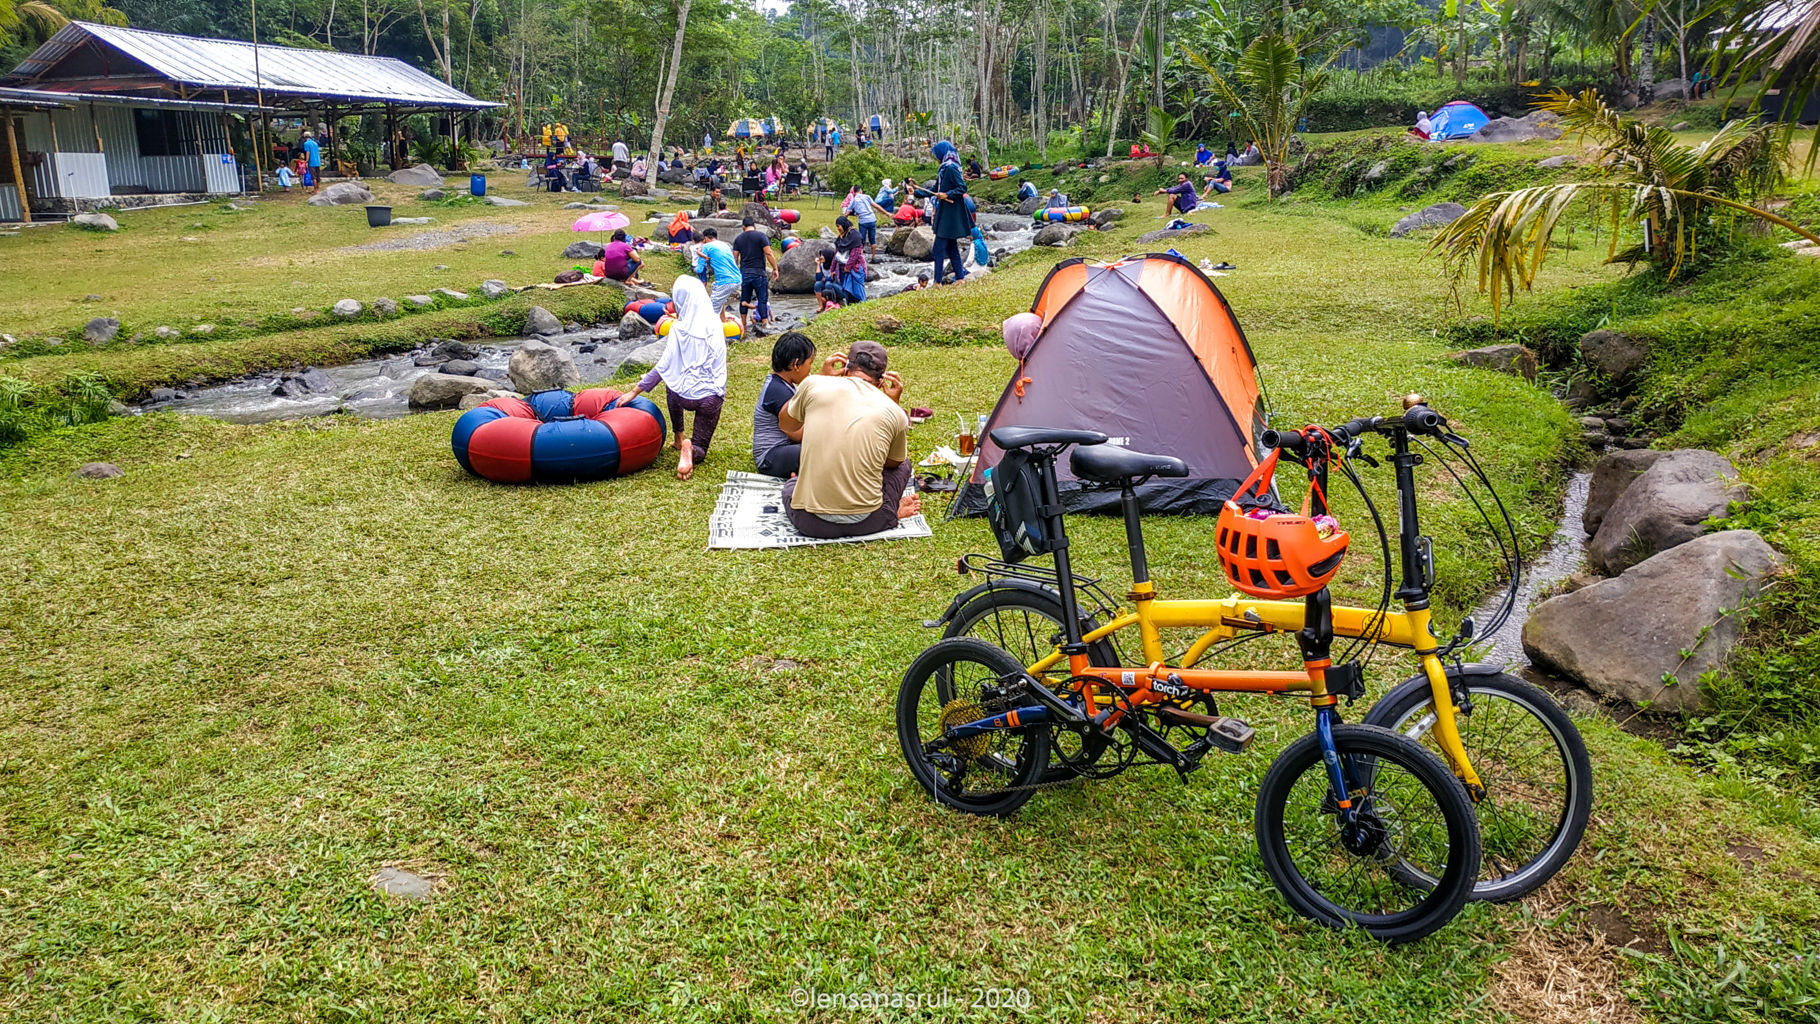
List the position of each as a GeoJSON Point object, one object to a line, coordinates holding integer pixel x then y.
{"type": "Point", "coordinates": [856, 457]}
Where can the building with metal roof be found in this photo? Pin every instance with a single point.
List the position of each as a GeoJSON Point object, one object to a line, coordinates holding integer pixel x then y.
{"type": "Point", "coordinates": [100, 112]}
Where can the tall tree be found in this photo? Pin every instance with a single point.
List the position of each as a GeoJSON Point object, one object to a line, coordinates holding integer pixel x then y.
{"type": "Point", "coordinates": [669, 93]}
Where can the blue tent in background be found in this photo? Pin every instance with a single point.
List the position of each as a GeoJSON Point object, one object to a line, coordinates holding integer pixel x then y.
{"type": "Point", "coordinates": [1456, 120]}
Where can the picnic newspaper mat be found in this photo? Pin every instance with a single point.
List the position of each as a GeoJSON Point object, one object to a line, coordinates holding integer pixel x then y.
{"type": "Point", "coordinates": [750, 514]}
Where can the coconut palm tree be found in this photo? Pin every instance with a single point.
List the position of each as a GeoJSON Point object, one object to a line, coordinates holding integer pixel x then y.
{"type": "Point", "coordinates": [1644, 176]}
{"type": "Point", "coordinates": [1274, 85]}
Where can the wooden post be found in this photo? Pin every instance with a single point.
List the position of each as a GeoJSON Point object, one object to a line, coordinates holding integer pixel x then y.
{"type": "Point", "coordinates": [252, 134]}
{"type": "Point", "coordinates": [202, 154]}
{"type": "Point", "coordinates": [392, 142]}
{"type": "Point", "coordinates": [12, 148]}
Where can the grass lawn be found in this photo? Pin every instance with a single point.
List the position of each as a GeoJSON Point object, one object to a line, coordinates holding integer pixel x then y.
{"type": "Point", "coordinates": [652, 782]}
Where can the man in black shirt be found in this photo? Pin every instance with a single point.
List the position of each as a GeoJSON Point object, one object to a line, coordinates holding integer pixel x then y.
{"type": "Point", "coordinates": [757, 265]}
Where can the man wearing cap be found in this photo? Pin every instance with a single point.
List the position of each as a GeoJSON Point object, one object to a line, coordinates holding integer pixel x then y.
{"type": "Point", "coordinates": [855, 455]}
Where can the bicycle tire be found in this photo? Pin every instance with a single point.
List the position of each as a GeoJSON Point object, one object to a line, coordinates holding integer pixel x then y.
{"type": "Point", "coordinates": [1013, 613]}
{"type": "Point", "coordinates": [1400, 772]}
{"type": "Point", "coordinates": [942, 773]}
{"type": "Point", "coordinates": [1409, 710]}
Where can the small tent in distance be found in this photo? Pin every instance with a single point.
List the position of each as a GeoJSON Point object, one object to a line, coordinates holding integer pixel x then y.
{"type": "Point", "coordinates": [1146, 350]}
{"type": "Point", "coordinates": [1456, 120]}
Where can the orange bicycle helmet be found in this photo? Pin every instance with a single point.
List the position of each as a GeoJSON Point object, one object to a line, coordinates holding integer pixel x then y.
{"type": "Point", "coordinates": [1271, 552]}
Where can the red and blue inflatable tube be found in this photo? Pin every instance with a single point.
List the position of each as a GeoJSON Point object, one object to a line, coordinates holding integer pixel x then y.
{"type": "Point", "coordinates": [558, 437]}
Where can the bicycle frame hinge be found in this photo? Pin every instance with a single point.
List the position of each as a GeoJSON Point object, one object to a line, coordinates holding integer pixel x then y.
{"type": "Point", "coordinates": [1142, 592]}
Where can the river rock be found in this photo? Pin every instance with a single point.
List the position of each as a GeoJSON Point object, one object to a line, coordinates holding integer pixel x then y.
{"type": "Point", "coordinates": [476, 401]}
{"type": "Point", "coordinates": [1436, 216]}
{"type": "Point", "coordinates": [1610, 476]}
{"type": "Point", "coordinates": [1166, 233]}
{"type": "Point", "coordinates": [1055, 234]}
{"type": "Point", "coordinates": [1664, 507]}
{"type": "Point", "coordinates": [796, 270]}
{"type": "Point", "coordinates": [1107, 216]}
{"type": "Point", "coordinates": [503, 201]}
{"type": "Point", "coordinates": [1620, 636]}
{"type": "Point", "coordinates": [1515, 359]}
{"type": "Point", "coordinates": [761, 215]}
{"type": "Point", "coordinates": [162, 395]}
{"type": "Point", "coordinates": [455, 350]}
{"type": "Point", "coordinates": [586, 249]}
{"type": "Point", "coordinates": [460, 368]}
{"type": "Point", "coordinates": [539, 366]}
{"type": "Point", "coordinates": [422, 174]}
{"type": "Point", "coordinates": [920, 245]}
{"type": "Point", "coordinates": [1615, 355]}
{"type": "Point", "coordinates": [632, 326]}
{"type": "Point", "coordinates": [1028, 207]}
{"type": "Point", "coordinates": [894, 242]}
{"type": "Point", "coordinates": [493, 289]}
{"type": "Point", "coordinates": [100, 330]}
{"type": "Point", "coordinates": [541, 321]}
{"type": "Point", "coordinates": [342, 193]}
{"type": "Point", "coordinates": [1537, 124]}
{"type": "Point", "coordinates": [95, 222]}
{"type": "Point", "coordinates": [99, 471]}
{"type": "Point", "coordinates": [384, 306]}
{"type": "Point", "coordinates": [450, 293]}
{"type": "Point", "coordinates": [348, 307]}
{"type": "Point", "coordinates": [419, 301]}
{"type": "Point", "coordinates": [445, 390]}
{"type": "Point", "coordinates": [433, 194]}
{"type": "Point", "coordinates": [163, 333]}
{"type": "Point", "coordinates": [643, 358]}
{"type": "Point", "coordinates": [315, 381]}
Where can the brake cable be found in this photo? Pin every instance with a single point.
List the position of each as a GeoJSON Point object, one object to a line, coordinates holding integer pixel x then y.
{"type": "Point", "coordinates": [1511, 555]}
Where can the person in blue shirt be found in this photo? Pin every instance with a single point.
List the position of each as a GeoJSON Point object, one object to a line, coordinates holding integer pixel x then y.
{"type": "Point", "coordinates": [1202, 155]}
{"type": "Point", "coordinates": [1026, 190]}
{"type": "Point", "coordinates": [886, 199]}
{"type": "Point", "coordinates": [716, 257]}
{"type": "Point", "coordinates": [313, 154]}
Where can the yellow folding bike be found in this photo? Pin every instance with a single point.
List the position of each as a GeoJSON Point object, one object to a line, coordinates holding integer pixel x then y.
{"type": "Point", "coordinates": [1517, 754]}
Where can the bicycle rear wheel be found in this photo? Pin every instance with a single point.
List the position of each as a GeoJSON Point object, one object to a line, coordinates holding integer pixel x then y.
{"type": "Point", "coordinates": [1403, 869]}
{"type": "Point", "coordinates": [1527, 752]}
{"type": "Point", "coordinates": [954, 682]}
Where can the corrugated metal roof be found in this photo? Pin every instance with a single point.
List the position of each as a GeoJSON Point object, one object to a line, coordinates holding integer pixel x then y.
{"type": "Point", "coordinates": [284, 70]}
{"type": "Point", "coordinates": [47, 98]}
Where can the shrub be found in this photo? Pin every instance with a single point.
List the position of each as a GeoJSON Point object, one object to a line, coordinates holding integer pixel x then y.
{"type": "Point", "coordinates": [863, 167]}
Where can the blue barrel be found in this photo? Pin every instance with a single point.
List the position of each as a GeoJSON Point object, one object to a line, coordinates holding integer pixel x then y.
{"type": "Point", "coordinates": [477, 184]}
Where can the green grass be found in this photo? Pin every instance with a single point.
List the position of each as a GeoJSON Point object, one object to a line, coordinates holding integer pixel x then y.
{"type": "Point", "coordinates": [271, 660]}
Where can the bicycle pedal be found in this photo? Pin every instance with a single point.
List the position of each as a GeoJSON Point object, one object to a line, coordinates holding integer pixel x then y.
{"type": "Point", "coordinates": [1232, 735]}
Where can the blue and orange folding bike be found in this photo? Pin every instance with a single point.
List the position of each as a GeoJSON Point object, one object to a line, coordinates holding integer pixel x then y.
{"type": "Point", "coordinates": [1461, 783]}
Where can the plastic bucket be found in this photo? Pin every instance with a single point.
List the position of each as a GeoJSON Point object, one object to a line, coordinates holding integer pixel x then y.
{"type": "Point", "coordinates": [378, 216]}
{"type": "Point", "coordinates": [477, 184]}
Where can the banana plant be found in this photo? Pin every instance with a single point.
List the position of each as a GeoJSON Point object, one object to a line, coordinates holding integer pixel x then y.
{"type": "Point", "coordinates": [1645, 176]}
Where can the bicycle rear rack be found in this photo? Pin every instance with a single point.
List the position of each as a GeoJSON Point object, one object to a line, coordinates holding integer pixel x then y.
{"type": "Point", "coordinates": [1094, 601]}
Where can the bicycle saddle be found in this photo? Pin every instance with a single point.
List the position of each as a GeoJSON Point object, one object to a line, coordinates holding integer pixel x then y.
{"type": "Point", "coordinates": [1110, 464]}
{"type": "Point", "coordinates": [1024, 437]}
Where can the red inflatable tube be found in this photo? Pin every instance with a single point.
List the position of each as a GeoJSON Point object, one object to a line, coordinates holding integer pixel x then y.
{"type": "Point", "coordinates": [556, 436]}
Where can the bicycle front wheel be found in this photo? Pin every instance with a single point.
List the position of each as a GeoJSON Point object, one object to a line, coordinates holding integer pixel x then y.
{"type": "Point", "coordinates": [1402, 868]}
{"type": "Point", "coordinates": [1533, 763]}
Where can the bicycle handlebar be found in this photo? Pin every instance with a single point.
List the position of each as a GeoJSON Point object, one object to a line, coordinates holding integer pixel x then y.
{"type": "Point", "coordinates": [1417, 419]}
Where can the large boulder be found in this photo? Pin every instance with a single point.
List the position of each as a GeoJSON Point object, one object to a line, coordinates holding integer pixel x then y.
{"type": "Point", "coordinates": [538, 366]}
{"type": "Point", "coordinates": [1612, 354]}
{"type": "Point", "coordinates": [1538, 124]}
{"type": "Point", "coordinates": [586, 249]}
{"type": "Point", "coordinates": [422, 174]}
{"type": "Point", "coordinates": [1621, 637]}
{"type": "Point", "coordinates": [494, 288]}
{"type": "Point", "coordinates": [1515, 359]}
{"type": "Point", "coordinates": [633, 326]}
{"type": "Point", "coordinates": [1666, 506]}
{"type": "Point", "coordinates": [100, 330]}
{"type": "Point", "coordinates": [1055, 234]}
{"type": "Point", "coordinates": [796, 269]}
{"type": "Point", "coordinates": [1611, 475]}
{"type": "Point", "coordinates": [1436, 216]}
{"type": "Point", "coordinates": [1167, 233]}
{"type": "Point", "coordinates": [634, 187]}
{"type": "Point", "coordinates": [1028, 207]}
{"type": "Point", "coordinates": [895, 241]}
{"type": "Point", "coordinates": [762, 216]}
{"type": "Point", "coordinates": [1107, 216]}
{"type": "Point", "coordinates": [920, 245]}
{"type": "Point", "coordinates": [343, 193]}
{"type": "Point", "coordinates": [541, 321]}
{"type": "Point", "coordinates": [95, 222]}
{"type": "Point", "coordinates": [445, 390]}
